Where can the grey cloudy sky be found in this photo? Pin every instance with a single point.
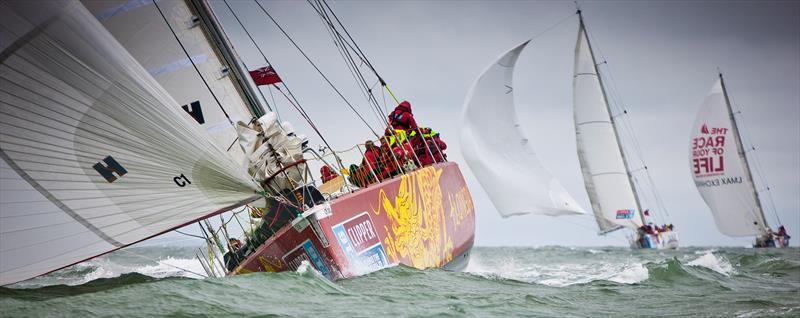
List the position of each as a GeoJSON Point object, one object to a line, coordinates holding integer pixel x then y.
{"type": "Point", "coordinates": [662, 55]}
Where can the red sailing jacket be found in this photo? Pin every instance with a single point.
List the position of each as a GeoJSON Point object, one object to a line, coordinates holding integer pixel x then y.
{"type": "Point", "coordinates": [327, 174]}
{"type": "Point", "coordinates": [402, 118]}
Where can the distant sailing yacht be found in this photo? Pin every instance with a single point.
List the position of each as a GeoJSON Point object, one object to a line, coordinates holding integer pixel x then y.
{"type": "Point", "coordinates": [722, 174]}
{"type": "Point", "coordinates": [606, 173]}
{"type": "Point", "coordinates": [509, 173]}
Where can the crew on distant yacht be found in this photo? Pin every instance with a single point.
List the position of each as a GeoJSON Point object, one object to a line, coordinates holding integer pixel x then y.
{"type": "Point", "coordinates": [783, 237]}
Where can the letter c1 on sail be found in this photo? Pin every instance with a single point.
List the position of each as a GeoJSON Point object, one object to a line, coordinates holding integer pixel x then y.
{"type": "Point", "coordinates": [498, 152]}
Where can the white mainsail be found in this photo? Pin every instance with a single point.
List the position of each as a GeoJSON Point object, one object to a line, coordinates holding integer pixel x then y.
{"type": "Point", "coordinates": [719, 168]}
{"type": "Point", "coordinates": [96, 154]}
{"type": "Point", "coordinates": [498, 152]}
{"type": "Point", "coordinates": [605, 172]}
{"type": "Point", "coordinates": [140, 28]}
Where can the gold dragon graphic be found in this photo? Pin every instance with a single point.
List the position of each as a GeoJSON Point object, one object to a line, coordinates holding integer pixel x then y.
{"type": "Point", "coordinates": [418, 231]}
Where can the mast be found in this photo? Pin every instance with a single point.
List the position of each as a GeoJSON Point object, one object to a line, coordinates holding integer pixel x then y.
{"type": "Point", "coordinates": [741, 152]}
{"type": "Point", "coordinates": [225, 47]}
{"type": "Point", "coordinates": [611, 118]}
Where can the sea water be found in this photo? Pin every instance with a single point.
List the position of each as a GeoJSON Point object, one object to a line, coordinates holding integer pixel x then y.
{"type": "Point", "coordinates": [499, 282]}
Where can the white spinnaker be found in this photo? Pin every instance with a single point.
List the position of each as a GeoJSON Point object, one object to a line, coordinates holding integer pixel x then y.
{"type": "Point", "coordinates": [141, 29]}
{"type": "Point", "coordinates": [71, 100]}
{"type": "Point", "coordinates": [498, 152]}
{"type": "Point", "coordinates": [719, 170]}
{"type": "Point", "coordinates": [604, 173]}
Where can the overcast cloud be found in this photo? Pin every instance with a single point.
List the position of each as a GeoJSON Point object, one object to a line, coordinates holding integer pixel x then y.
{"type": "Point", "coordinates": [663, 57]}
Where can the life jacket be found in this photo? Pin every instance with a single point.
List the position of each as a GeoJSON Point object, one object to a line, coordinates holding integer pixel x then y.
{"type": "Point", "coordinates": [399, 136]}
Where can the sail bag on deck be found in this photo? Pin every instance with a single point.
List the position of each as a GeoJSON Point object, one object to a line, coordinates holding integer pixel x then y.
{"type": "Point", "coordinates": [96, 154]}
{"type": "Point", "coordinates": [498, 152]}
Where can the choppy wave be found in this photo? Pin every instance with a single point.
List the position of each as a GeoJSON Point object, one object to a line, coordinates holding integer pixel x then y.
{"type": "Point", "coordinates": [549, 281]}
{"type": "Point", "coordinates": [713, 262]}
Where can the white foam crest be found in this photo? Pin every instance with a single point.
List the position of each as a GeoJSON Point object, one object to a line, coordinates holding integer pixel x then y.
{"type": "Point", "coordinates": [171, 267]}
{"type": "Point", "coordinates": [713, 262]}
{"type": "Point", "coordinates": [702, 252]}
{"type": "Point", "coordinates": [166, 267]}
{"type": "Point", "coordinates": [560, 275]}
{"type": "Point", "coordinates": [766, 312]}
{"type": "Point", "coordinates": [305, 267]}
{"type": "Point", "coordinates": [632, 274]}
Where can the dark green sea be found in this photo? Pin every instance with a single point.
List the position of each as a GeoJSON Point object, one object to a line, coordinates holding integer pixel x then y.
{"type": "Point", "coordinates": [499, 282]}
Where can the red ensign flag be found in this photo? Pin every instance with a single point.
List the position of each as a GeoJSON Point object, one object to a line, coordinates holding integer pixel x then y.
{"type": "Point", "coordinates": [265, 76]}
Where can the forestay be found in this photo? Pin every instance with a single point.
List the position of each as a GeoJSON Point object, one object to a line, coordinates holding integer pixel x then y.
{"type": "Point", "coordinates": [719, 168]}
{"type": "Point", "coordinates": [498, 152]}
{"type": "Point", "coordinates": [140, 28]}
{"type": "Point", "coordinates": [96, 154]}
{"type": "Point", "coordinates": [605, 174]}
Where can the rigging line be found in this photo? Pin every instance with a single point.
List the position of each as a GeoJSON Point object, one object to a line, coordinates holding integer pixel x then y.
{"type": "Point", "coordinates": [759, 169]}
{"type": "Point", "coordinates": [363, 57]}
{"type": "Point", "coordinates": [354, 71]}
{"type": "Point", "coordinates": [315, 67]}
{"type": "Point", "coordinates": [192, 235]}
{"type": "Point", "coordinates": [550, 28]}
{"type": "Point", "coordinates": [293, 100]}
{"type": "Point", "coordinates": [357, 50]}
{"type": "Point", "coordinates": [314, 127]}
{"type": "Point", "coordinates": [271, 95]}
{"type": "Point", "coordinates": [628, 128]}
{"type": "Point", "coordinates": [354, 68]}
{"type": "Point", "coordinates": [193, 63]}
{"type": "Point", "coordinates": [359, 53]}
{"type": "Point", "coordinates": [257, 48]}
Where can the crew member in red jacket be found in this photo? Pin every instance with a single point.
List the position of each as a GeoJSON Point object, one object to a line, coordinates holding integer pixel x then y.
{"type": "Point", "coordinates": [327, 173]}
{"type": "Point", "coordinates": [373, 160]}
{"type": "Point", "coordinates": [402, 118]}
{"type": "Point", "coordinates": [438, 148]}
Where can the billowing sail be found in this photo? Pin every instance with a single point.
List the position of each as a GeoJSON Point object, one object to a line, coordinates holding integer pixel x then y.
{"type": "Point", "coordinates": [96, 155]}
{"type": "Point", "coordinates": [605, 174]}
{"type": "Point", "coordinates": [498, 152]}
{"type": "Point", "coordinates": [720, 169]}
{"type": "Point", "coordinates": [140, 28]}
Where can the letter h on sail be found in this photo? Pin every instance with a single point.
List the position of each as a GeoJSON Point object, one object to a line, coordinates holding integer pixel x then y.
{"type": "Point", "coordinates": [107, 171]}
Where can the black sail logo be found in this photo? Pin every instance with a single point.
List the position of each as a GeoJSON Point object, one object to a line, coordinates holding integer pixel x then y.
{"type": "Point", "coordinates": [109, 169]}
{"type": "Point", "coordinates": [195, 111]}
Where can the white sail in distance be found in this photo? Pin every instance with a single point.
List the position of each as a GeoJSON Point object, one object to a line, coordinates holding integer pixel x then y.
{"type": "Point", "coordinates": [719, 168]}
{"type": "Point", "coordinates": [605, 172]}
{"type": "Point", "coordinates": [500, 155]}
{"type": "Point", "coordinates": [140, 28]}
{"type": "Point", "coordinates": [96, 155]}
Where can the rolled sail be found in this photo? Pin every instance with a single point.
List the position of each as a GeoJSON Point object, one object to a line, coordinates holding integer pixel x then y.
{"type": "Point", "coordinates": [719, 168]}
{"type": "Point", "coordinates": [498, 152]}
{"type": "Point", "coordinates": [604, 172]}
{"type": "Point", "coordinates": [96, 154]}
